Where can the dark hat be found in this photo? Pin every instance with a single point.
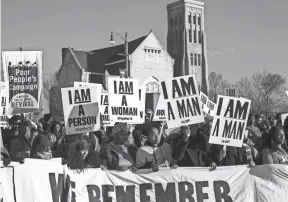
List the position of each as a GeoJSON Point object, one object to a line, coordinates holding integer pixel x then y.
{"type": "Point", "coordinates": [14, 119]}
{"type": "Point", "coordinates": [47, 117]}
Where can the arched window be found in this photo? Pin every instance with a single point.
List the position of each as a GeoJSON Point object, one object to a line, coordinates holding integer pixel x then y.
{"type": "Point", "coordinates": [152, 87]}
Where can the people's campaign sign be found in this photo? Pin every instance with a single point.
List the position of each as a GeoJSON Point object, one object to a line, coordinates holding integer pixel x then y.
{"type": "Point", "coordinates": [81, 109]}
{"type": "Point", "coordinates": [182, 101]}
{"type": "Point", "coordinates": [230, 120]}
{"type": "Point", "coordinates": [23, 71]}
{"type": "Point", "coordinates": [125, 101]}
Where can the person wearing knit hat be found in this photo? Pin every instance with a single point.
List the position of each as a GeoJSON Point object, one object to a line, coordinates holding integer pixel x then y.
{"type": "Point", "coordinates": [79, 156]}
{"type": "Point", "coordinates": [40, 148]}
{"type": "Point", "coordinates": [117, 155]}
{"type": "Point", "coordinates": [47, 117]}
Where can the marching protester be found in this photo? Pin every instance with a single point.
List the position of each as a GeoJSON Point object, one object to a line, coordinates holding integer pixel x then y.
{"type": "Point", "coordinates": [21, 145]}
{"type": "Point", "coordinates": [277, 151]}
{"type": "Point", "coordinates": [156, 152]}
{"type": "Point", "coordinates": [41, 147]}
{"type": "Point", "coordinates": [80, 157]}
{"type": "Point", "coordinates": [118, 155]}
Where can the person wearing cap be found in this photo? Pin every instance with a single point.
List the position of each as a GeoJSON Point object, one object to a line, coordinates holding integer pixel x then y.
{"type": "Point", "coordinates": [118, 155]}
{"type": "Point", "coordinates": [80, 157]}
{"type": "Point", "coordinates": [41, 148]}
{"type": "Point", "coordinates": [20, 146]}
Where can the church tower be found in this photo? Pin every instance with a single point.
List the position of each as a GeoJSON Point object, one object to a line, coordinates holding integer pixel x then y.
{"type": "Point", "coordinates": [186, 40]}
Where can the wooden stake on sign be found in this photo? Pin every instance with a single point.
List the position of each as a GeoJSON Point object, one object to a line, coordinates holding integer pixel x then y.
{"type": "Point", "coordinates": [21, 131]}
{"type": "Point", "coordinates": [162, 127]}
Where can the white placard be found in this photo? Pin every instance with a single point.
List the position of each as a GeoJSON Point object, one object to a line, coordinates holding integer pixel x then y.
{"type": "Point", "coordinates": [160, 111]}
{"type": "Point", "coordinates": [124, 100]}
{"type": "Point", "coordinates": [230, 120]}
{"type": "Point", "coordinates": [182, 101]}
{"type": "Point", "coordinates": [81, 109]}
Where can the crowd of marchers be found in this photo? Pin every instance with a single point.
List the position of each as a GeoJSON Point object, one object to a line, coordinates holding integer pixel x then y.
{"type": "Point", "coordinates": [148, 145]}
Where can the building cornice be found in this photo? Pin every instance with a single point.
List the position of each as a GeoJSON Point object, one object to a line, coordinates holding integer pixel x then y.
{"type": "Point", "coordinates": [181, 2]}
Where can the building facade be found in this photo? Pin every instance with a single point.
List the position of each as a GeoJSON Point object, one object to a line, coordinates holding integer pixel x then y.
{"type": "Point", "coordinates": [149, 63]}
{"type": "Point", "coordinates": [186, 40]}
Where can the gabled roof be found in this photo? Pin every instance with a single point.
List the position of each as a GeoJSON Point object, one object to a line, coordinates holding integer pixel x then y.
{"type": "Point", "coordinates": [112, 54]}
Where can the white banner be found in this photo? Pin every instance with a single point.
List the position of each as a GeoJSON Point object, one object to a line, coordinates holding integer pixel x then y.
{"type": "Point", "coordinates": [23, 69]}
{"type": "Point", "coordinates": [230, 120]}
{"type": "Point", "coordinates": [232, 92]}
{"type": "Point", "coordinates": [81, 109]}
{"type": "Point", "coordinates": [124, 100]}
{"type": "Point", "coordinates": [182, 101]}
{"type": "Point", "coordinates": [49, 181]}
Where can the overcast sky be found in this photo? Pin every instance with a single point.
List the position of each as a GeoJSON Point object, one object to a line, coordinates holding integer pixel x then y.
{"type": "Point", "coordinates": [242, 36]}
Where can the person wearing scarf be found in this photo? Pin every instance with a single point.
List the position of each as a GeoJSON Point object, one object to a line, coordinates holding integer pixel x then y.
{"type": "Point", "coordinates": [155, 153]}
{"type": "Point", "coordinates": [41, 148]}
{"type": "Point", "coordinates": [80, 157]}
{"type": "Point", "coordinates": [117, 155]}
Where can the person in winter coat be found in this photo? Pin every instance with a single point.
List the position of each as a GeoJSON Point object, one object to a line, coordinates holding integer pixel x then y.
{"type": "Point", "coordinates": [10, 134]}
{"type": "Point", "coordinates": [118, 155]}
{"type": "Point", "coordinates": [20, 147]}
{"type": "Point", "coordinates": [41, 147]}
{"type": "Point", "coordinates": [5, 156]}
{"type": "Point", "coordinates": [254, 133]}
{"type": "Point", "coordinates": [155, 153]}
{"type": "Point", "coordinates": [190, 150]}
{"type": "Point", "coordinates": [80, 158]}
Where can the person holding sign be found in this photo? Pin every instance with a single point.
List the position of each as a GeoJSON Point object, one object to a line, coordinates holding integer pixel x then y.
{"type": "Point", "coordinates": [156, 153]}
{"type": "Point", "coordinates": [277, 151]}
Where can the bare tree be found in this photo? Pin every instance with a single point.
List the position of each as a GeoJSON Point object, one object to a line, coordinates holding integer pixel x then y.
{"type": "Point", "coordinates": [270, 88]}
{"type": "Point", "coordinates": [49, 81]}
{"type": "Point", "coordinates": [217, 85]}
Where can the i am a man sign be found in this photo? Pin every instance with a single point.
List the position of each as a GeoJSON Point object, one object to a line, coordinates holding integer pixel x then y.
{"type": "Point", "coordinates": [230, 120]}
{"type": "Point", "coordinates": [182, 101]}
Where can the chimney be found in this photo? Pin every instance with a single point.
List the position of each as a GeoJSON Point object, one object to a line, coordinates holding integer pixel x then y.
{"type": "Point", "coordinates": [65, 51]}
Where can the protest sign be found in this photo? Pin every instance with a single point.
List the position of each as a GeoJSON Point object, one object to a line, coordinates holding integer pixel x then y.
{"type": "Point", "coordinates": [204, 100]}
{"type": "Point", "coordinates": [211, 108]}
{"type": "Point", "coordinates": [283, 118]}
{"type": "Point", "coordinates": [81, 109]}
{"type": "Point", "coordinates": [124, 101]}
{"type": "Point", "coordinates": [230, 121]}
{"type": "Point", "coordinates": [232, 92]}
{"type": "Point", "coordinates": [160, 111]}
{"type": "Point", "coordinates": [36, 115]}
{"type": "Point", "coordinates": [24, 73]}
{"type": "Point", "coordinates": [182, 102]}
{"type": "Point", "coordinates": [104, 109]}
{"type": "Point", "coordinates": [4, 96]}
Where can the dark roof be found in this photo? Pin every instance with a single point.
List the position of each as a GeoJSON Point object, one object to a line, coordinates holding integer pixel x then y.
{"type": "Point", "coordinates": [81, 57]}
{"type": "Point", "coordinates": [110, 54]}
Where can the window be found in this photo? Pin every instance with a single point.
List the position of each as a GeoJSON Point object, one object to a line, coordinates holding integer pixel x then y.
{"type": "Point", "coordinates": [199, 20]}
{"type": "Point", "coordinates": [190, 18]}
{"type": "Point", "coordinates": [179, 20]}
{"type": "Point", "coordinates": [191, 59]}
{"type": "Point", "coordinates": [195, 59]}
{"type": "Point", "coordinates": [190, 35]}
{"type": "Point", "coordinates": [171, 22]}
{"type": "Point", "coordinates": [199, 60]}
{"type": "Point", "coordinates": [195, 36]}
{"type": "Point", "coordinates": [199, 37]}
{"type": "Point", "coordinates": [175, 22]}
{"type": "Point", "coordinates": [194, 19]}
{"type": "Point", "coordinates": [176, 36]}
